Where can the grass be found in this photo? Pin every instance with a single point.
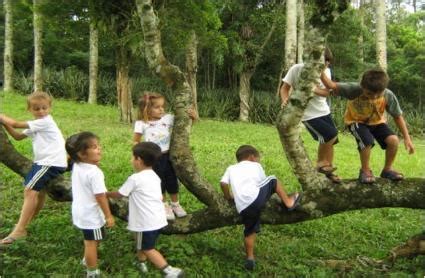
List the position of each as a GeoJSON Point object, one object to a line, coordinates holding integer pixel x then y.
{"type": "Point", "coordinates": [54, 247]}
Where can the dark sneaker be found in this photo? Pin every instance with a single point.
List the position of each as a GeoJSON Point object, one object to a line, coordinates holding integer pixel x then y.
{"type": "Point", "coordinates": [250, 264]}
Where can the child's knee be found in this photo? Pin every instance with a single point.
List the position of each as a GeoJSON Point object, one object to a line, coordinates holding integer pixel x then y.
{"type": "Point", "coordinates": [392, 141]}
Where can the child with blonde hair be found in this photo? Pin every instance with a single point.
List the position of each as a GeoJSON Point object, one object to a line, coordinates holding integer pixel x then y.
{"type": "Point", "coordinates": [49, 157]}
{"type": "Point", "coordinates": [154, 125]}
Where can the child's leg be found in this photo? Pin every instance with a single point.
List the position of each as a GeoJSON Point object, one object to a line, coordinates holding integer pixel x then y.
{"type": "Point", "coordinates": [325, 153]}
{"type": "Point", "coordinates": [27, 212]}
{"type": "Point", "coordinates": [249, 242]}
{"type": "Point", "coordinates": [154, 257]}
{"type": "Point", "coordinates": [41, 201]}
{"type": "Point", "coordinates": [280, 191]}
{"type": "Point", "coordinates": [90, 253]}
{"type": "Point", "coordinates": [390, 151]}
{"type": "Point", "coordinates": [365, 158]}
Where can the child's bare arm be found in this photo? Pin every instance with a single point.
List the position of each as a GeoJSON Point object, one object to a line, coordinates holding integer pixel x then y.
{"type": "Point", "coordinates": [14, 133]}
{"type": "Point", "coordinates": [104, 205]}
{"type": "Point", "coordinates": [328, 82]}
{"type": "Point", "coordinates": [137, 138]}
{"type": "Point", "coordinates": [114, 195]}
{"type": "Point", "coordinates": [12, 122]}
{"type": "Point", "coordinates": [401, 124]}
{"type": "Point", "coordinates": [226, 191]}
{"type": "Point", "coordinates": [284, 93]}
{"type": "Point", "coordinates": [321, 92]}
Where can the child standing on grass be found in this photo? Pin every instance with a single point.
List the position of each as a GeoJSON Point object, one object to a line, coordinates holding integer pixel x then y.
{"type": "Point", "coordinates": [316, 118]}
{"type": "Point", "coordinates": [146, 210]}
{"type": "Point", "coordinates": [90, 205]}
{"type": "Point", "coordinates": [366, 120]}
{"type": "Point", "coordinates": [154, 125]}
{"type": "Point", "coordinates": [49, 158]}
{"type": "Point", "coordinates": [251, 189]}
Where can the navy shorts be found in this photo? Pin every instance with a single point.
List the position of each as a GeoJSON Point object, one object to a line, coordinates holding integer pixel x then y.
{"type": "Point", "coordinates": [94, 234]}
{"type": "Point", "coordinates": [164, 169]}
{"type": "Point", "coordinates": [40, 175]}
{"type": "Point", "coordinates": [251, 214]}
{"type": "Point", "coordinates": [322, 129]}
{"type": "Point", "coordinates": [365, 134]}
{"type": "Point", "coordinates": [147, 240]}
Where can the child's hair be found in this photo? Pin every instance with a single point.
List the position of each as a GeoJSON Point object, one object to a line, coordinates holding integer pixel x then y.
{"type": "Point", "coordinates": [145, 103]}
{"type": "Point", "coordinates": [79, 142]}
{"type": "Point", "coordinates": [39, 95]}
{"type": "Point", "coordinates": [328, 55]}
{"type": "Point", "coordinates": [148, 152]}
{"type": "Point", "coordinates": [374, 80]}
{"type": "Point", "coordinates": [245, 151]}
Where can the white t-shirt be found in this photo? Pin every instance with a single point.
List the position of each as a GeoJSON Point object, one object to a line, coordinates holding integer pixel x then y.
{"type": "Point", "coordinates": [47, 142]}
{"type": "Point", "coordinates": [158, 132]}
{"type": "Point", "coordinates": [146, 210]}
{"type": "Point", "coordinates": [317, 106]}
{"type": "Point", "coordinates": [245, 178]}
{"type": "Point", "coordinates": [87, 181]}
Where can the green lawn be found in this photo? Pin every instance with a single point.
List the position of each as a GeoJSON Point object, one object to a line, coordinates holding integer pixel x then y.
{"type": "Point", "coordinates": [54, 247]}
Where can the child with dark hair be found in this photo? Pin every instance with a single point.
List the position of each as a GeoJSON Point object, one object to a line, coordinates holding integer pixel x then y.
{"type": "Point", "coordinates": [49, 158]}
{"type": "Point", "coordinates": [146, 211]}
{"type": "Point", "coordinates": [250, 190]}
{"type": "Point", "coordinates": [90, 207]}
{"type": "Point", "coordinates": [366, 120]}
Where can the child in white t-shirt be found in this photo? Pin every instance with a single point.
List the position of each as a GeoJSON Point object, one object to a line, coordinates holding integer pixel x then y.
{"type": "Point", "coordinates": [49, 158]}
{"type": "Point", "coordinates": [251, 189]}
{"type": "Point", "coordinates": [154, 125]}
{"type": "Point", "coordinates": [146, 210]}
{"type": "Point", "coordinates": [90, 207]}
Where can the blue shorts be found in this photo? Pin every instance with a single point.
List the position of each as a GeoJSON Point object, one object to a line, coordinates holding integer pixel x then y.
{"type": "Point", "coordinates": [94, 234]}
{"type": "Point", "coordinates": [322, 129]}
{"type": "Point", "coordinates": [40, 175]}
{"type": "Point", "coordinates": [165, 171]}
{"type": "Point", "coordinates": [251, 214]}
{"type": "Point", "coordinates": [146, 240]}
{"type": "Point", "coordinates": [365, 134]}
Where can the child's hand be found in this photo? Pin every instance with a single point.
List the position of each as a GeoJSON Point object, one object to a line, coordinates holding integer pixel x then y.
{"type": "Point", "coordinates": [110, 221]}
{"type": "Point", "coordinates": [408, 144]}
{"type": "Point", "coordinates": [192, 114]}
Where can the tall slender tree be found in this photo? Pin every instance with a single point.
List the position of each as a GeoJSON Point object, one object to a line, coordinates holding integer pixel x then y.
{"type": "Point", "coordinates": [8, 45]}
{"type": "Point", "coordinates": [192, 67]}
{"type": "Point", "coordinates": [38, 45]}
{"type": "Point", "coordinates": [300, 31]}
{"type": "Point", "coordinates": [94, 61]}
{"type": "Point", "coordinates": [381, 34]}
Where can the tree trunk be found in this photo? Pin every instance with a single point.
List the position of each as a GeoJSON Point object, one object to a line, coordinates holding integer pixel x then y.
{"type": "Point", "coordinates": [192, 67]}
{"type": "Point", "coordinates": [123, 85]}
{"type": "Point", "coordinates": [381, 34]}
{"type": "Point", "coordinates": [244, 95]}
{"type": "Point", "coordinates": [8, 45]}
{"type": "Point", "coordinates": [360, 39]}
{"type": "Point", "coordinates": [38, 45]}
{"type": "Point", "coordinates": [94, 60]}
{"type": "Point", "coordinates": [300, 33]}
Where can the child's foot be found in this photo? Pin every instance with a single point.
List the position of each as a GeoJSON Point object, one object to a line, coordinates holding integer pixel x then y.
{"type": "Point", "coordinates": [173, 272]}
{"type": "Point", "coordinates": [169, 212]}
{"type": "Point", "coordinates": [10, 239]}
{"type": "Point", "coordinates": [142, 266]}
{"type": "Point", "coordinates": [366, 176]}
{"type": "Point", "coordinates": [250, 264]}
{"type": "Point", "coordinates": [328, 171]}
{"type": "Point", "coordinates": [296, 201]}
{"type": "Point", "coordinates": [178, 210]}
{"type": "Point", "coordinates": [93, 273]}
{"type": "Point", "coordinates": [392, 175]}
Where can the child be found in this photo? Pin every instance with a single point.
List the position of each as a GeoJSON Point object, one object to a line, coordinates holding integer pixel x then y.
{"type": "Point", "coordinates": [90, 205]}
{"type": "Point", "coordinates": [251, 190]}
{"type": "Point", "coordinates": [317, 118]}
{"type": "Point", "coordinates": [146, 210]}
{"type": "Point", "coordinates": [156, 126]}
{"type": "Point", "coordinates": [49, 158]}
{"type": "Point", "coordinates": [365, 118]}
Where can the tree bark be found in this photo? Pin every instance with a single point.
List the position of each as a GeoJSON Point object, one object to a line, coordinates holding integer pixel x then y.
{"type": "Point", "coordinates": [381, 34]}
{"type": "Point", "coordinates": [244, 95]}
{"type": "Point", "coordinates": [124, 99]}
{"type": "Point", "coordinates": [94, 60]}
{"type": "Point", "coordinates": [38, 45]}
{"type": "Point", "coordinates": [192, 67]}
{"type": "Point", "coordinates": [8, 45]}
{"type": "Point", "coordinates": [300, 33]}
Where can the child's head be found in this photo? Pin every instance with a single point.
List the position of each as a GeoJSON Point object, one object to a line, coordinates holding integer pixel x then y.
{"type": "Point", "coordinates": [148, 152]}
{"type": "Point", "coordinates": [39, 104]}
{"type": "Point", "coordinates": [151, 106]}
{"type": "Point", "coordinates": [328, 56]}
{"type": "Point", "coordinates": [374, 81]}
{"type": "Point", "coordinates": [84, 147]}
{"type": "Point", "coordinates": [246, 152]}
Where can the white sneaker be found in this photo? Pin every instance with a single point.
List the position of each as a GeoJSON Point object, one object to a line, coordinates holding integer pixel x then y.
{"type": "Point", "coordinates": [178, 210]}
{"type": "Point", "coordinates": [93, 273]}
{"type": "Point", "coordinates": [169, 212]}
{"type": "Point", "coordinates": [143, 268]}
{"type": "Point", "coordinates": [173, 272]}
{"type": "Point", "coordinates": [83, 262]}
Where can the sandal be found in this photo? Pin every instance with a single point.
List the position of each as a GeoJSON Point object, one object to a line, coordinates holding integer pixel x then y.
{"type": "Point", "coordinates": [333, 178]}
{"type": "Point", "coordinates": [392, 175]}
{"type": "Point", "coordinates": [326, 169]}
{"type": "Point", "coordinates": [297, 199]}
{"type": "Point", "coordinates": [366, 177]}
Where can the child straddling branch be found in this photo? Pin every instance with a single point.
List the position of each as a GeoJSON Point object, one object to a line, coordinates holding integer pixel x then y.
{"type": "Point", "coordinates": [49, 158]}
{"type": "Point", "coordinates": [154, 125]}
{"type": "Point", "coordinates": [90, 207]}
{"type": "Point", "coordinates": [250, 190]}
{"type": "Point", "coordinates": [146, 210]}
{"type": "Point", "coordinates": [366, 120]}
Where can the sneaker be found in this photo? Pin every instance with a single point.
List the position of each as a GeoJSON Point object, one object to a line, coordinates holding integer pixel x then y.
{"type": "Point", "coordinates": [83, 262]}
{"type": "Point", "coordinates": [93, 273]}
{"type": "Point", "coordinates": [249, 264]}
{"type": "Point", "coordinates": [173, 272]}
{"type": "Point", "coordinates": [169, 212]}
{"type": "Point", "coordinates": [178, 210]}
{"type": "Point", "coordinates": [142, 266]}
